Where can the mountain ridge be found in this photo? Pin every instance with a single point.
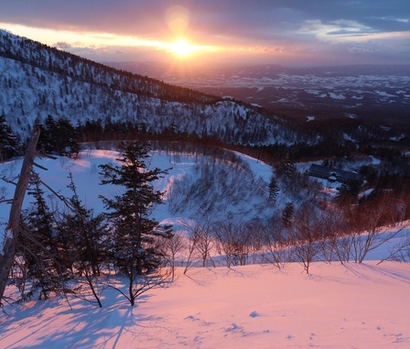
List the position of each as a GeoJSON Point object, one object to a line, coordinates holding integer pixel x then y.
{"type": "Point", "coordinates": [38, 81]}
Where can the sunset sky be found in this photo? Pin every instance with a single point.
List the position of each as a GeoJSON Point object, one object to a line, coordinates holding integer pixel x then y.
{"type": "Point", "coordinates": [289, 32]}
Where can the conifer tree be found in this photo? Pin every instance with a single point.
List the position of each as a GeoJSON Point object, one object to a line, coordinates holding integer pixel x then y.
{"type": "Point", "coordinates": [273, 189]}
{"type": "Point", "coordinates": [83, 237]}
{"type": "Point", "coordinates": [287, 215]}
{"type": "Point", "coordinates": [135, 234]}
{"type": "Point", "coordinates": [58, 137]}
{"type": "Point", "coordinates": [8, 141]}
{"type": "Point", "coordinates": [39, 243]}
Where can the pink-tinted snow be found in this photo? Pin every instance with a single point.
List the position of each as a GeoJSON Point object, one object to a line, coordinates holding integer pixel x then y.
{"type": "Point", "coordinates": [336, 306]}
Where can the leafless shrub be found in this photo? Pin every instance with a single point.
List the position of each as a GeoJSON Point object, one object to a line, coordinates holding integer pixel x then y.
{"type": "Point", "coordinates": [233, 239]}
{"type": "Point", "coordinates": [200, 241]}
{"type": "Point", "coordinates": [306, 228]}
{"type": "Point", "coordinates": [173, 246]}
{"type": "Point", "coordinates": [275, 243]}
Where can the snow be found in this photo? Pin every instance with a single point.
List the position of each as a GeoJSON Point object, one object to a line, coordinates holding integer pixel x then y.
{"type": "Point", "coordinates": [336, 95]}
{"type": "Point", "coordinates": [336, 306]}
{"type": "Point", "coordinates": [385, 94]}
{"type": "Point", "coordinates": [347, 137]}
{"type": "Point", "coordinates": [27, 94]}
{"type": "Point", "coordinates": [243, 202]}
{"type": "Point", "coordinates": [398, 138]}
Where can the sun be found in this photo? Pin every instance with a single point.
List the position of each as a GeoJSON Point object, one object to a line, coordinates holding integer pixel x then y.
{"type": "Point", "coordinates": [182, 48]}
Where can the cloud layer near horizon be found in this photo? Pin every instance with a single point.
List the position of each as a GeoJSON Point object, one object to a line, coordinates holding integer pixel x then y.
{"type": "Point", "coordinates": [277, 31]}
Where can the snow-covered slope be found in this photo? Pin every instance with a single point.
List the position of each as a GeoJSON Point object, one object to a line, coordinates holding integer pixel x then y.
{"type": "Point", "coordinates": [350, 306]}
{"type": "Point", "coordinates": [37, 81]}
{"type": "Point", "coordinates": [336, 306]}
{"type": "Point", "coordinates": [232, 187]}
{"type": "Point", "coordinates": [238, 188]}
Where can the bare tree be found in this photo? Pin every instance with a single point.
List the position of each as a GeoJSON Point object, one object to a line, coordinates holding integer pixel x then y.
{"type": "Point", "coordinates": [233, 240]}
{"type": "Point", "coordinates": [255, 231]}
{"type": "Point", "coordinates": [200, 240]}
{"type": "Point", "coordinates": [205, 242]}
{"type": "Point", "coordinates": [370, 218]}
{"type": "Point", "coordinates": [400, 251]}
{"type": "Point", "coordinates": [330, 228]}
{"type": "Point", "coordinates": [306, 231]}
{"type": "Point", "coordinates": [13, 229]}
{"type": "Point", "coordinates": [173, 246]}
{"type": "Point", "coordinates": [193, 230]}
{"type": "Point", "coordinates": [158, 278]}
{"type": "Point", "coordinates": [276, 243]}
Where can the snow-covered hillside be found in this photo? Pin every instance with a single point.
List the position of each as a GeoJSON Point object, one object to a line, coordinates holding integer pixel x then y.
{"type": "Point", "coordinates": [37, 81]}
{"type": "Point", "coordinates": [240, 179]}
{"type": "Point", "coordinates": [238, 188]}
{"type": "Point", "coordinates": [232, 187]}
{"type": "Point", "coordinates": [337, 306]}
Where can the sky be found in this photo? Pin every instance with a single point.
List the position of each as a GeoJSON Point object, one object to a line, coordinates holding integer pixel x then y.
{"type": "Point", "coordinates": [287, 32]}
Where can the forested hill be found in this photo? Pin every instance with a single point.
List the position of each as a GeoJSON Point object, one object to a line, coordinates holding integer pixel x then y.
{"type": "Point", "coordinates": [37, 81]}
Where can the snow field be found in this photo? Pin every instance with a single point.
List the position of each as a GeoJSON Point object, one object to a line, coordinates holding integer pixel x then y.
{"type": "Point", "coordinates": [254, 306]}
{"type": "Point", "coordinates": [351, 306]}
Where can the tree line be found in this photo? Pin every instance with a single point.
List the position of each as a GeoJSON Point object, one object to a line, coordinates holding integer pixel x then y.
{"type": "Point", "coordinates": [70, 250]}
{"type": "Point", "coordinates": [61, 248]}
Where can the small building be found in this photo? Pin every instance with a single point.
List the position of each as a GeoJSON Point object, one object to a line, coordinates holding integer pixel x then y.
{"type": "Point", "coordinates": [334, 174]}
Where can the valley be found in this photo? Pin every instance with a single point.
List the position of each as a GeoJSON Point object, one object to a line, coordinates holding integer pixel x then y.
{"type": "Point", "coordinates": [181, 208]}
{"type": "Point", "coordinates": [371, 94]}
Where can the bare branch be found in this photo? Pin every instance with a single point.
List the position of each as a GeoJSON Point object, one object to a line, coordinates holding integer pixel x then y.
{"type": "Point", "coordinates": [13, 228]}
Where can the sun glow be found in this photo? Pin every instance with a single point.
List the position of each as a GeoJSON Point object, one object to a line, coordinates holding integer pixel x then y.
{"type": "Point", "coordinates": [115, 45]}
{"type": "Point", "coordinates": [182, 48]}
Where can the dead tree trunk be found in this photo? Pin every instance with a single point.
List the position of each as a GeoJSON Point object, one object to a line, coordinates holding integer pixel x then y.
{"type": "Point", "coordinates": [13, 229]}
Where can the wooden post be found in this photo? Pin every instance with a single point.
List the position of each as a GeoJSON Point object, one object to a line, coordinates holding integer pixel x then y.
{"type": "Point", "coordinates": [13, 229]}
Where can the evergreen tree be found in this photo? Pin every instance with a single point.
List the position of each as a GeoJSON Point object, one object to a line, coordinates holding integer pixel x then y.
{"type": "Point", "coordinates": [58, 137]}
{"type": "Point", "coordinates": [135, 235]}
{"type": "Point", "coordinates": [66, 138]}
{"type": "Point", "coordinates": [48, 135]}
{"type": "Point", "coordinates": [273, 189]}
{"type": "Point", "coordinates": [287, 215]}
{"type": "Point", "coordinates": [8, 141]}
{"type": "Point", "coordinates": [348, 194]}
{"type": "Point", "coordinates": [39, 244]}
{"type": "Point", "coordinates": [84, 240]}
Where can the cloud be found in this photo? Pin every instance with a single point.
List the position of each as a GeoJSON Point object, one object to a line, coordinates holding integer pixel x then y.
{"type": "Point", "coordinates": [340, 30]}
{"type": "Point", "coordinates": [291, 25]}
{"type": "Point", "coordinates": [62, 45]}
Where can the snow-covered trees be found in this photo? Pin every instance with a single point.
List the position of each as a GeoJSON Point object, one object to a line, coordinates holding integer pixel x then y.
{"type": "Point", "coordinates": [40, 246]}
{"type": "Point", "coordinates": [273, 189]}
{"type": "Point", "coordinates": [287, 215]}
{"type": "Point", "coordinates": [58, 136]}
{"type": "Point", "coordinates": [84, 237]}
{"type": "Point", "coordinates": [8, 141]}
{"type": "Point", "coordinates": [135, 234]}
{"type": "Point", "coordinates": [257, 231]}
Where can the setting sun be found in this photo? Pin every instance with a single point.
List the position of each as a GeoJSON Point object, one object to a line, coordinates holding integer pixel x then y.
{"type": "Point", "coordinates": [182, 48]}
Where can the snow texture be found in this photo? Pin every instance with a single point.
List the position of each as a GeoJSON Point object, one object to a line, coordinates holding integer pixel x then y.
{"type": "Point", "coordinates": [350, 306]}
{"type": "Point", "coordinates": [337, 306]}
